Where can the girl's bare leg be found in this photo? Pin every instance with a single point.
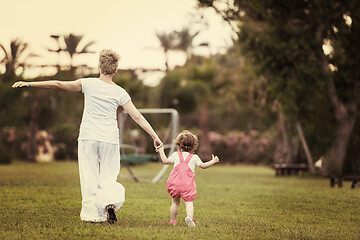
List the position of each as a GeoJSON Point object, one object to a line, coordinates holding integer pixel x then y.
{"type": "Point", "coordinates": [174, 208]}
{"type": "Point", "coordinates": [189, 209]}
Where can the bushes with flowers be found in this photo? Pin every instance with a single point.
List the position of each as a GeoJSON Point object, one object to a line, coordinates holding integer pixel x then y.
{"type": "Point", "coordinates": [12, 144]}
{"type": "Point", "coordinates": [243, 147]}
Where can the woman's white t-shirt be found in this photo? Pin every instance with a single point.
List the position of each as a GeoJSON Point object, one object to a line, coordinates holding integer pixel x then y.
{"type": "Point", "coordinates": [99, 121]}
{"type": "Point", "coordinates": [195, 160]}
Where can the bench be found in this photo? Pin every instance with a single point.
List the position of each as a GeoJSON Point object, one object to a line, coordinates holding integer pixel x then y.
{"type": "Point", "coordinates": [339, 178]}
{"type": "Point", "coordinates": [283, 169]}
{"type": "Point", "coordinates": [139, 158]}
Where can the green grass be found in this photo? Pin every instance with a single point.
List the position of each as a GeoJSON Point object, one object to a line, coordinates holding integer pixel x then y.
{"type": "Point", "coordinates": [43, 201]}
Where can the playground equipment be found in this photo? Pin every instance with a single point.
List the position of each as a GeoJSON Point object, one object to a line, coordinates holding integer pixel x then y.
{"type": "Point", "coordinates": [135, 157]}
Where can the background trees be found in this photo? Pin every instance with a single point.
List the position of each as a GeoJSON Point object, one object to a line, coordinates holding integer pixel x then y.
{"type": "Point", "coordinates": [24, 113]}
{"type": "Point", "coordinates": [182, 41]}
{"type": "Point", "coordinates": [294, 63]}
{"type": "Point", "coordinates": [223, 100]}
{"type": "Point", "coordinates": [309, 53]}
{"type": "Point", "coordinates": [14, 58]}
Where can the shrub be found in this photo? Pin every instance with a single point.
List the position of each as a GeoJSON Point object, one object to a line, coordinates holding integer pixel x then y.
{"type": "Point", "coordinates": [236, 147]}
{"type": "Point", "coordinates": [65, 140]}
{"type": "Point", "coordinates": [5, 157]}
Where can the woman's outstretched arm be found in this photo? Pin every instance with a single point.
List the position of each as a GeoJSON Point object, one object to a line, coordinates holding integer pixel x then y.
{"type": "Point", "coordinates": [143, 123]}
{"type": "Point", "coordinates": [72, 86]}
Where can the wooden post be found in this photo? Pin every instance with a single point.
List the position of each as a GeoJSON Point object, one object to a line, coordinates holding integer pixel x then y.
{"type": "Point", "coordinates": [340, 181]}
{"type": "Point", "coordinates": [332, 182]}
{"type": "Point", "coordinates": [131, 172]}
{"type": "Point", "coordinates": [306, 148]}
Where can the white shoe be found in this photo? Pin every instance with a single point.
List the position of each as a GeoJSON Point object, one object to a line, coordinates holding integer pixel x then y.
{"type": "Point", "coordinates": [190, 222]}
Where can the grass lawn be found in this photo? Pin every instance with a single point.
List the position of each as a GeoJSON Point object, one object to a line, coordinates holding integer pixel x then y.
{"type": "Point", "coordinates": [43, 201]}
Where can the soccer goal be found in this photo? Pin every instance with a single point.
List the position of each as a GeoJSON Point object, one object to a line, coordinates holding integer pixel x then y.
{"type": "Point", "coordinates": [130, 145]}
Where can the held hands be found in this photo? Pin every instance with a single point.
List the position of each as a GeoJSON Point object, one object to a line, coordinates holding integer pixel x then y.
{"type": "Point", "coordinates": [20, 84]}
{"type": "Point", "coordinates": [158, 144]}
{"type": "Point", "coordinates": [160, 148]}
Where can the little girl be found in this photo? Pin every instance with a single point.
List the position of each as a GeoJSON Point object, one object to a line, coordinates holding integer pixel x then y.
{"type": "Point", "coordinates": [181, 183]}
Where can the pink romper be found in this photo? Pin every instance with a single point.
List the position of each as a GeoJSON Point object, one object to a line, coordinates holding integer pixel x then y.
{"type": "Point", "coordinates": [181, 182]}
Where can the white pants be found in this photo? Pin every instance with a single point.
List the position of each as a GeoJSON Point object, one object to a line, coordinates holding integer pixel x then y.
{"type": "Point", "coordinates": [99, 166]}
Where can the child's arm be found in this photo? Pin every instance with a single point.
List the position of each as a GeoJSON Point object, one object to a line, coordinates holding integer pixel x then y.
{"type": "Point", "coordinates": [72, 86]}
{"type": "Point", "coordinates": [163, 157]}
{"type": "Point", "coordinates": [208, 164]}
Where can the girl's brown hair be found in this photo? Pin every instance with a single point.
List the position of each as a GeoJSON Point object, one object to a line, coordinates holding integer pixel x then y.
{"type": "Point", "coordinates": [187, 141]}
{"type": "Point", "coordinates": [108, 61]}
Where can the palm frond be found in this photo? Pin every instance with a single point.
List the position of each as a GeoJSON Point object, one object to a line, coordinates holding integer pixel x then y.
{"type": "Point", "coordinates": [22, 48]}
{"type": "Point", "coordinates": [167, 40]}
{"type": "Point", "coordinates": [85, 48]}
{"type": "Point", "coordinates": [72, 41]}
{"type": "Point", "coordinates": [55, 50]}
{"type": "Point", "coordinates": [31, 55]}
{"type": "Point", "coordinates": [5, 52]}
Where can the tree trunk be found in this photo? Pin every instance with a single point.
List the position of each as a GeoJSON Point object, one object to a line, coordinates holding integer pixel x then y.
{"type": "Point", "coordinates": [9, 74]}
{"type": "Point", "coordinates": [336, 153]}
{"type": "Point", "coordinates": [34, 122]}
{"type": "Point", "coordinates": [166, 61]}
{"type": "Point", "coordinates": [345, 117]}
{"type": "Point", "coordinates": [205, 149]}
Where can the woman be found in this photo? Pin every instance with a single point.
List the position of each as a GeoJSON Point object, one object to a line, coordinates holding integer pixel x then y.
{"type": "Point", "coordinates": [98, 142]}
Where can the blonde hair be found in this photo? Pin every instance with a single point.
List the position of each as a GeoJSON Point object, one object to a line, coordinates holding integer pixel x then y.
{"type": "Point", "coordinates": [108, 61]}
{"type": "Point", "coordinates": [187, 141]}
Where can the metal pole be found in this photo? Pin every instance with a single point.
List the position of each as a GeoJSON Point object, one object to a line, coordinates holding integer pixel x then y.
{"type": "Point", "coordinates": [175, 130]}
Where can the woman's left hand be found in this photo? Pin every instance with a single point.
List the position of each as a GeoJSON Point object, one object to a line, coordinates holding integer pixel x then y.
{"type": "Point", "coordinates": [158, 143]}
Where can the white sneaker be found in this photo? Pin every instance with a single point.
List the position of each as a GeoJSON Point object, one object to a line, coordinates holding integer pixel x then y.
{"type": "Point", "coordinates": [190, 222]}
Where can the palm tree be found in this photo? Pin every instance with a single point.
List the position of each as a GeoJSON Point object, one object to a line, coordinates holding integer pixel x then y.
{"type": "Point", "coordinates": [167, 41]}
{"type": "Point", "coordinates": [71, 46]}
{"type": "Point", "coordinates": [13, 56]}
{"type": "Point", "coordinates": [186, 41]}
